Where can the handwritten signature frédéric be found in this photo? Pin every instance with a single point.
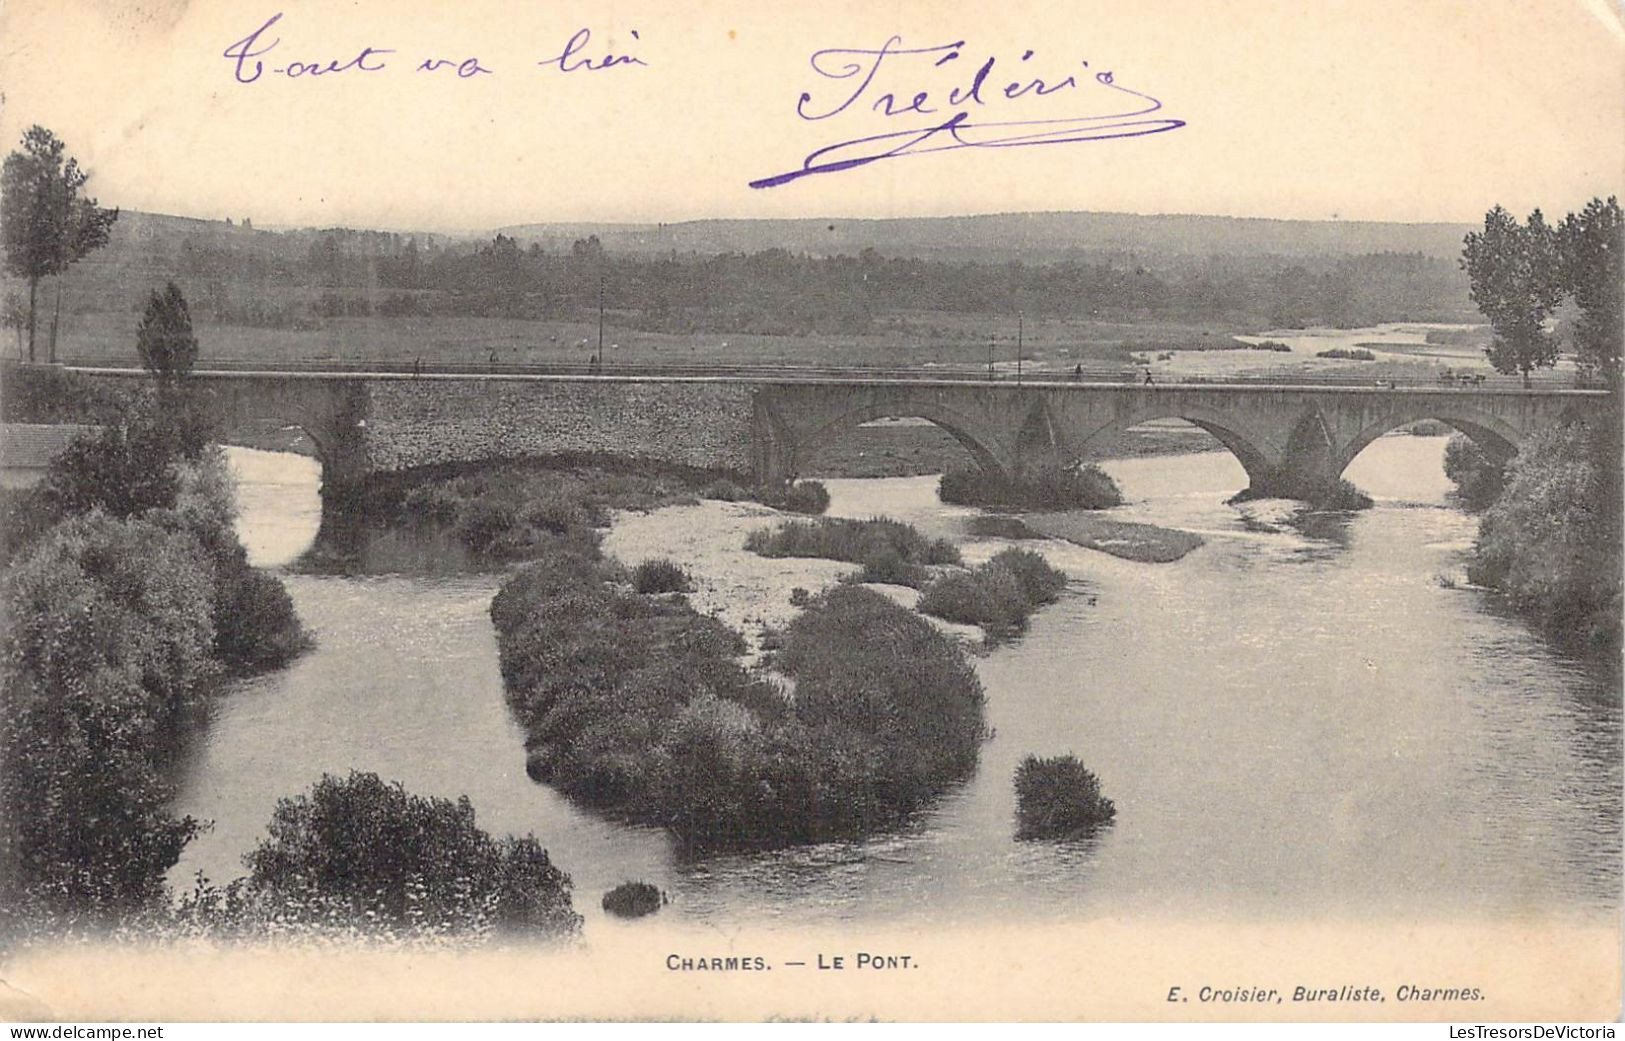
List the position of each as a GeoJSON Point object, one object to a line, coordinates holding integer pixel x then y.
{"type": "Point", "coordinates": [950, 102]}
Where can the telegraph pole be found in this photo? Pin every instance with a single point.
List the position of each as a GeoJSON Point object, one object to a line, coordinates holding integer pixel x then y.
{"type": "Point", "coordinates": [600, 317]}
{"type": "Point", "coordinates": [1018, 347]}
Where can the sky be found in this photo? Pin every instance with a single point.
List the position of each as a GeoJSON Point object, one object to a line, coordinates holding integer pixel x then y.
{"type": "Point", "coordinates": [1417, 111]}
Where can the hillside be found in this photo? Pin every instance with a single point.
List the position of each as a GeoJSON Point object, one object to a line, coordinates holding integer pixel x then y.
{"type": "Point", "coordinates": [1032, 237]}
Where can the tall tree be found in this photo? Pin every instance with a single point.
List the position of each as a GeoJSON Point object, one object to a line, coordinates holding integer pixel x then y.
{"type": "Point", "coordinates": [1593, 243]}
{"type": "Point", "coordinates": [165, 338]}
{"type": "Point", "coordinates": [1516, 281]}
{"type": "Point", "coordinates": [45, 224]}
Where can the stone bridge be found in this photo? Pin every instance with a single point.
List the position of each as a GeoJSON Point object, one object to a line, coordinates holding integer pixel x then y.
{"type": "Point", "coordinates": [1291, 439]}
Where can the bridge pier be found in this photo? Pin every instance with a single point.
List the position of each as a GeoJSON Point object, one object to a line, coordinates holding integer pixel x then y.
{"type": "Point", "coordinates": [1306, 468]}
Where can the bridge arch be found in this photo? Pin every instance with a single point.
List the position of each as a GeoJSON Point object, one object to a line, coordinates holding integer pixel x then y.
{"type": "Point", "coordinates": [1494, 436]}
{"type": "Point", "coordinates": [1250, 447]}
{"type": "Point", "coordinates": [330, 413]}
{"type": "Point", "coordinates": [984, 445]}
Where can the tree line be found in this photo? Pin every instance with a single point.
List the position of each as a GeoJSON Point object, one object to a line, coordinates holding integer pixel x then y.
{"type": "Point", "coordinates": [776, 292]}
{"type": "Point", "coordinates": [295, 279]}
{"type": "Point", "coordinates": [1520, 273]}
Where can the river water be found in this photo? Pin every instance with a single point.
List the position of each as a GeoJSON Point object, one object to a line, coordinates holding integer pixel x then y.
{"type": "Point", "coordinates": [1299, 717]}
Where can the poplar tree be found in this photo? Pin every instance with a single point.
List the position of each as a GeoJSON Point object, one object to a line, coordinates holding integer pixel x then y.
{"type": "Point", "coordinates": [46, 225]}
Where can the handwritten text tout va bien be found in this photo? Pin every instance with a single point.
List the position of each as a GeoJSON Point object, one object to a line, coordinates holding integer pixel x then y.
{"type": "Point", "coordinates": [262, 56]}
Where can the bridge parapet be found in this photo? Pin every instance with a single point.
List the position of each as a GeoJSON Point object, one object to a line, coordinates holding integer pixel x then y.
{"type": "Point", "coordinates": [1290, 438]}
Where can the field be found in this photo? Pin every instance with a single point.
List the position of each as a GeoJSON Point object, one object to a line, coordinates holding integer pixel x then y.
{"type": "Point", "coordinates": [912, 340]}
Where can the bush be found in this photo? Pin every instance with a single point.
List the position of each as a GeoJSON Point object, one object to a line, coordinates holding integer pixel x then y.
{"type": "Point", "coordinates": [433, 502]}
{"type": "Point", "coordinates": [810, 497]}
{"type": "Point", "coordinates": [120, 620]}
{"type": "Point", "coordinates": [660, 576]}
{"type": "Point", "coordinates": [890, 551]}
{"type": "Point", "coordinates": [481, 522]}
{"type": "Point", "coordinates": [998, 596]}
{"type": "Point", "coordinates": [107, 652]}
{"type": "Point", "coordinates": [633, 900]}
{"type": "Point", "coordinates": [123, 470]}
{"type": "Point", "coordinates": [520, 510]}
{"type": "Point", "coordinates": [724, 490]}
{"type": "Point", "coordinates": [255, 626]}
{"type": "Point", "coordinates": [1551, 543]}
{"type": "Point", "coordinates": [378, 854]}
{"type": "Point", "coordinates": [1479, 481]}
{"type": "Point", "coordinates": [1058, 798]}
{"type": "Point", "coordinates": [1347, 354]}
{"type": "Point", "coordinates": [988, 597]}
{"type": "Point", "coordinates": [1341, 494]}
{"type": "Point", "coordinates": [1051, 488]}
{"type": "Point", "coordinates": [639, 706]}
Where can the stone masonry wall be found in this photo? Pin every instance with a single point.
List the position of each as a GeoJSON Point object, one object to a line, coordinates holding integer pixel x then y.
{"type": "Point", "coordinates": [425, 421]}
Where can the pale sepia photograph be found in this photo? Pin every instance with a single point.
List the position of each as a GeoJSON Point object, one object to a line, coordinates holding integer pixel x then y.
{"type": "Point", "coordinates": [746, 511]}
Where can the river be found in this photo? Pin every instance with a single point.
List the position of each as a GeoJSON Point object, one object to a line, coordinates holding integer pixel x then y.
{"type": "Point", "coordinates": [1302, 716]}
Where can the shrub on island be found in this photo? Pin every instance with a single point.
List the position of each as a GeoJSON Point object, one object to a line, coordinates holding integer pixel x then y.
{"type": "Point", "coordinates": [633, 900]}
{"type": "Point", "coordinates": [1058, 798]}
{"type": "Point", "coordinates": [660, 576]}
{"type": "Point", "coordinates": [889, 550]}
{"type": "Point", "coordinates": [639, 706]}
{"type": "Point", "coordinates": [810, 497]}
{"type": "Point", "coordinates": [1049, 488]}
{"type": "Point", "coordinates": [1340, 495]}
{"type": "Point", "coordinates": [998, 596]}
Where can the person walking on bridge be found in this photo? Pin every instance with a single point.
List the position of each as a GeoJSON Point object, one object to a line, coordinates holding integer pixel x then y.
{"type": "Point", "coordinates": [1148, 379]}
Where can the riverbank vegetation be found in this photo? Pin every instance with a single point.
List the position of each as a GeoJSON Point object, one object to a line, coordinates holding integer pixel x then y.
{"type": "Point", "coordinates": [1050, 488]}
{"type": "Point", "coordinates": [889, 550]}
{"type": "Point", "coordinates": [1058, 798]}
{"type": "Point", "coordinates": [998, 596]}
{"type": "Point", "coordinates": [128, 599]}
{"type": "Point", "coordinates": [638, 705]}
{"type": "Point", "coordinates": [1479, 481]}
{"type": "Point", "coordinates": [1551, 542]}
{"type": "Point", "coordinates": [515, 510]}
{"type": "Point", "coordinates": [361, 858]}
